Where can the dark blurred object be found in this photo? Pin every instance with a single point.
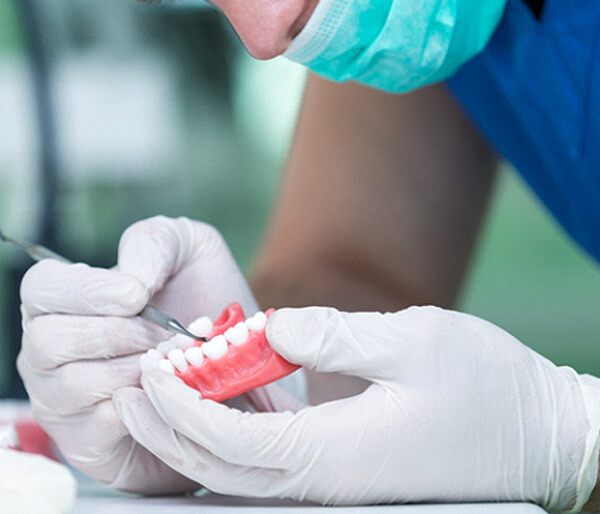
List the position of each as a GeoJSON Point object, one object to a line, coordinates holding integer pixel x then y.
{"type": "Point", "coordinates": [48, 173]}
{"type": "Point", "coordinates": [12, 314]}
{"type": "Point", "coordinates": [204, 43]}
{"type": "Point", "coordinates": [536, 6]}
{"type": "Point", "coordinates": [203, 49]}
{"type": "Point", "coordinates": [48, 165]}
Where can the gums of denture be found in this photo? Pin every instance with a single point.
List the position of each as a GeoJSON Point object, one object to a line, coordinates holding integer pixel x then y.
{"type": "Point", "coordinates": [236, 359]}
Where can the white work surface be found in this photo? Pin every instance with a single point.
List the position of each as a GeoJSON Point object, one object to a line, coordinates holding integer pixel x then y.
{"type": "Point", "coordinates": [94, 499]}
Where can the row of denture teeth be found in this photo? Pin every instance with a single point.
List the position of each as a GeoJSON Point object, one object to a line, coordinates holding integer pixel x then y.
{"type": "Point", "coordinates": [180, 351]}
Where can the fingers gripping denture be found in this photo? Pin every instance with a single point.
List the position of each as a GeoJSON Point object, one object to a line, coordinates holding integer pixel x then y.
{"type": "Point", "coordinates": [236, 359]}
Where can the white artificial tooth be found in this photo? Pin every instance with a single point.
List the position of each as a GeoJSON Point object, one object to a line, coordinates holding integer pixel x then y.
{"type": "Point", "coordinates": [181, 341]}
{"type": "Point", "coordinates": [215, 348]}
{"type": "Point", "coordinates": [194, 355]}
{"type": "Point", "coordinates": [153, 355]}
{"type": "Point", "coordinates": [165, 347]}
{"type": "Point", "coordinates": [150, 365]}
{"type": "Point", "coordinates": [257, 322]}
{"type": "Point", "coordinates": [9, 437]}
{"type": "Point", "coordinates": [150, 360]}
{"type": "Point", "coordinates": [165, 365]}
{"type": "Point", "coordinates": [238, 334]}
{"type": "Point", "coordinates": [202, 327]}
{"type": "Point", "coordinates": [178, 360]}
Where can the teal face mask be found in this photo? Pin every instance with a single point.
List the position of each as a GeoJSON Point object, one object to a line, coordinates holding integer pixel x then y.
{"type": "Point", "coordinates": [394, 45]}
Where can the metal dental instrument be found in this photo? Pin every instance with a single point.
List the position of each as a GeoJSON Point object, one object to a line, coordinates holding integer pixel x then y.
{"type": "Point", "coordinates": [149, 313]}
{"type": "Point", "coordinates": [153, 315]}
{"type": "Point", "coordinates": [36, 252]}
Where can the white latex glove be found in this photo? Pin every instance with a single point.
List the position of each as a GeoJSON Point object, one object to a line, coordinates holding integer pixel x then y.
{"type": "Point", "coordinates": [32, 483]}
{"type": "Point", "coordinates": [82, 340]}
{"type": "Point", "coordinates": [458, 411]}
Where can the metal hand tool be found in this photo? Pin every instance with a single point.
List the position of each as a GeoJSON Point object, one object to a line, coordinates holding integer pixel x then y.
{"type": "Point", "coordinates": [149, 313]}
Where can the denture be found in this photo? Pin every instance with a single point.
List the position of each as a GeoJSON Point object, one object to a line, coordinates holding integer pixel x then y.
{"type": "Point", "coordinates": [237, 358]}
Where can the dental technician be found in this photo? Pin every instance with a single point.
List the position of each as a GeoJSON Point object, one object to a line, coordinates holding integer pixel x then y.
{"type": "Point", "coordinates": [379, 210]}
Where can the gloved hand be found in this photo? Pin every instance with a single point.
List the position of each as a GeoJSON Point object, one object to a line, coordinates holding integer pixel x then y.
{"type": "Point", "coordinates": [32, 483]}
{"type": "Point", "coordinates": [82, 340]}
{"type": "Point", "coordinates": [458, 411]}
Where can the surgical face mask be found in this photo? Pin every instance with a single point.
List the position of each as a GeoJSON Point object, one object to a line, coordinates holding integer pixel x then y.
{"type": "Point", "coordinates": [394, 45]}
{"type": "Point", "coordinates": [194, 4]}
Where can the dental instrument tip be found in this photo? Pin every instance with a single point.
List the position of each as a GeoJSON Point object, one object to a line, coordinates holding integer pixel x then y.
{"type": "Point", "coordinates": [175, 325]}
{"type": "Point", "coordinates": [163, 320]}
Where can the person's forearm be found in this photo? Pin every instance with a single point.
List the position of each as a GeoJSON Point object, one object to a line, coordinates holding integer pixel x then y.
{"type": "Point", "coordinates": [384, 193]}
{"type": "Point", "coordinates": [310, 285]}
{"type": "Point", "coordinates": [334, 286]}
{"type": "Point", "coordinates": [326, 283]}
{"type": "Point", "coordinates": [380, 204]}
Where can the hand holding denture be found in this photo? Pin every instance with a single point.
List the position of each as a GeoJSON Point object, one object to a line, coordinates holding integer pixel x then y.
{"type": "Point", "coordinates": [83, 341]}
{"type": "Point", "coordinates": [236, 359]}
{"type": "Point", "coordinates": [457, 411]}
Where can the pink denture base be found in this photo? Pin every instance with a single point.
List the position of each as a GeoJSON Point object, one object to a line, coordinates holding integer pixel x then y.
{"type": "Point", "coordinates": [243, 368]}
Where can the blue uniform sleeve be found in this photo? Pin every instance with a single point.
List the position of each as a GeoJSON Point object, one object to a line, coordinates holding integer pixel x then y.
{"type": "Point", "coordinates": [535, 94]}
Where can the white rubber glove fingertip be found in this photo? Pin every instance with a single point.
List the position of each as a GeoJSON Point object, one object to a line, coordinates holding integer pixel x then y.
{"type": "Point", "coordinates": [298, 334]}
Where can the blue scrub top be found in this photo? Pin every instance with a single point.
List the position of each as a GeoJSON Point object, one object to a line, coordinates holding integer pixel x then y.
{"type": "Point", "coordinates": [535, 94]}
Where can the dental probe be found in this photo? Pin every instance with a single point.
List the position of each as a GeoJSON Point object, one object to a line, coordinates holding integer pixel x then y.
{"type": "Point", "coordinates": [149, 313]}
{"type": "Point", "coordinates": [36, 252]}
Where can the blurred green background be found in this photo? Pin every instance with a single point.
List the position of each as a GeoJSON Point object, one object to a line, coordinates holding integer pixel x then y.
{"type": "Point", "coordinates": [529, 278]}
{"type": "Point", "coordinates": [159, 110]}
